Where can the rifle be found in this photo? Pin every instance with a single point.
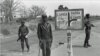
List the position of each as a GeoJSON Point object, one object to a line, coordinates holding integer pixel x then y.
{"type": "Point", "coordinates": [18, 39]}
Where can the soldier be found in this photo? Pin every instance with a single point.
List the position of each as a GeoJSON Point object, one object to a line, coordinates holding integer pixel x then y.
{"type": "Point", "coordinates": [23, 31]}
{"type": "Point", "coordinates": [45, 36]}
{"type": "Point", "coordinates": [88, 26]}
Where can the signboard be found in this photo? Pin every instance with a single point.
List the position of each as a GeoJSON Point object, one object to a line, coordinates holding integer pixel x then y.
{"type": "Point", "coordinates": [75, 17]}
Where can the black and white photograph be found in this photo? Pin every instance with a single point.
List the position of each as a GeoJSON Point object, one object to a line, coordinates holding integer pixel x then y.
{"type": "Point", "coordinates": [49, 27]}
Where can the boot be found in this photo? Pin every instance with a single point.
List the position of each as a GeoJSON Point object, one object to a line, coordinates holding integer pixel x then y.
{"type": "Point", "coordinates": [88, 45]}
{"type": "Point", "coordinates": [85, 45]}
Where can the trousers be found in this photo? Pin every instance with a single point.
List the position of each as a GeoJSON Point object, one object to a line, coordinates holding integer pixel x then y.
{"type": "Point", "coordinates": [23, 39]}
{"type": "Point", "coordinates": [87, 32]}
{"type": "Point", "coordinates": [45, 46]}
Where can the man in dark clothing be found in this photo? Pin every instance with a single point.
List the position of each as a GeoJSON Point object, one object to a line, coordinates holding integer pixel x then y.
{"type": "Point", "coordinates": [88, 26]}
{"type": "Point", "coordinates": [23, 31]}
{"type": "Point", "coordinates": [45, 36]}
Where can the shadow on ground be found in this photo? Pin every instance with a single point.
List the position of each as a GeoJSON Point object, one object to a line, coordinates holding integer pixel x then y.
{"type": "Point", "coordinates": [15, 50]}
{"type": "Point", "coordinates": [2, 55]}
{"type": "Point", "coordinates": [77, 46]}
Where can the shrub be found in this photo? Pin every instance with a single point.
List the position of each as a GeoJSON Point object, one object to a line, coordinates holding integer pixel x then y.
{"type": "Point", "coordinates": [5, 31]}
{"type": "Point", "coordinates": [21, 19]}
{"type": "Point", "coordinates": [32, 27]}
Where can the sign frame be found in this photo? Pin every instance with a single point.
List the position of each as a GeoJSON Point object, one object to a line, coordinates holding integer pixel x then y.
{"type": "Point", "coordinates": [82, 26]}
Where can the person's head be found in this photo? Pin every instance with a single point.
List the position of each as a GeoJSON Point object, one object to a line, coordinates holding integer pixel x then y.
{"type": "Point", "coordinates": [87, 16]}
{"type": "Point", "coordinates": [22, 23]}
{"type": "Point", "coordinates": [44, 18]}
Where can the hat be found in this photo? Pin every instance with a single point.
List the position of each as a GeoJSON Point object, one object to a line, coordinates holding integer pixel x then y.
{"type": "Point", "coordinates": [22, 22]}
{"type": "Point", "coordinates": [44, 16]}
{"type": "Point", "coordinates": [87, 15]}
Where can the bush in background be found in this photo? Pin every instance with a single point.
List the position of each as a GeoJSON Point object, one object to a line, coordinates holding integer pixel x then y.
{"type": "Point", "coordinates": [50, 18]}
{"type": "Point", "coordinates": [5, 31]}
{"type": "Point", "coordinates": [32, 27]}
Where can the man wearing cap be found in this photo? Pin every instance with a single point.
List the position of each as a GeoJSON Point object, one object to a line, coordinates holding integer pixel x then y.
{"type": "Point", "coordinates": [22, 32]}
{"type": "Point", "coordinates": [44, 33]}
{"type": "Point", "coordinates": [88, 26]}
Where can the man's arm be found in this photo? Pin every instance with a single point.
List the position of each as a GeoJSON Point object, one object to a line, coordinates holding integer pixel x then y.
{"type": "Point", "coordinates": [18, 34]}
{"type": "Point", "coordinates": [92, 25]}
{"type": "Point", "coordinates": [27, 30]}
{"type": "Point", "coordinates": [51, 33]}
{"type": "Point", "coordinates": [39, 32]}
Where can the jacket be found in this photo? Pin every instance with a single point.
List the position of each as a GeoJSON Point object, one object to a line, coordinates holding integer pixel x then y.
{"type": "Point", "coordinates": [44, 31]}
{"type": "Point", "coordinates": [23, 31]}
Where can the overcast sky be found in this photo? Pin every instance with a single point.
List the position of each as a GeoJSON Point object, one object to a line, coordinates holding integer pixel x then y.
{"type": "Point", "coordinates": [90, 6]}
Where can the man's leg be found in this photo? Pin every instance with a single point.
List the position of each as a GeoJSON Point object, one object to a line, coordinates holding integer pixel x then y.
{"type": "Point", "coordinates": [86, 40]}
{"type": "Point", "coordinates": [43, 52]}
{"type": "Point", "coordinates": [43, 47]}
{"type": "Point", "coordinates": [27, 45]}
{"type": "Point", "coordinates": [22, 44]}
{"type": "Point", "coordinates": [48, 52]}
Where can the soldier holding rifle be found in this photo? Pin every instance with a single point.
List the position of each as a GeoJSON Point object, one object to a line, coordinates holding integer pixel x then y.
{"type": "Point", "coordinates": [88, 26]}
{"type": "Point", "coordinates": [22, 33]}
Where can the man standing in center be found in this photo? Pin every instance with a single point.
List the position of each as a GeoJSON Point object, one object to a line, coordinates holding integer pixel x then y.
{"type": "Point", "coordinates": [44, 33]}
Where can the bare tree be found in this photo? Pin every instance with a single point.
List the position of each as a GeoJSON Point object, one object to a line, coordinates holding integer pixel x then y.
{"type": "Point", "coordinates": [9, 8]}
{"type": "Point", "coordinates": [36, 11]}
{"type": "Point", "coordinates": [23, 11]}
{"type": "Point", "coordinates": [60, 7]}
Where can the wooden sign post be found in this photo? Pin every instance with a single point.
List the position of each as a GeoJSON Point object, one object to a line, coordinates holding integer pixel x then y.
{"type": "Point", "coordinates": [71, 19]}
{"type": "Point", "coordinates": [69, 43]}
{"type": "Point", "coordinates": [69, 39]}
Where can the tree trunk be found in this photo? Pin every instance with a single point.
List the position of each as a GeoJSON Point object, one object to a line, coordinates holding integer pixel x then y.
{"type": "Point", "coordinates": [6, 19]}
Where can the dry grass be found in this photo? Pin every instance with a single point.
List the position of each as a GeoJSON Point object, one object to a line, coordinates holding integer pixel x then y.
{"type": "Point", "coordinates": [11, 28]}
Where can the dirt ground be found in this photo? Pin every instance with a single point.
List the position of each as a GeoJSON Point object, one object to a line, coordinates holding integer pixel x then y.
{"type": "Point", "coordinates": [10, 45]}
